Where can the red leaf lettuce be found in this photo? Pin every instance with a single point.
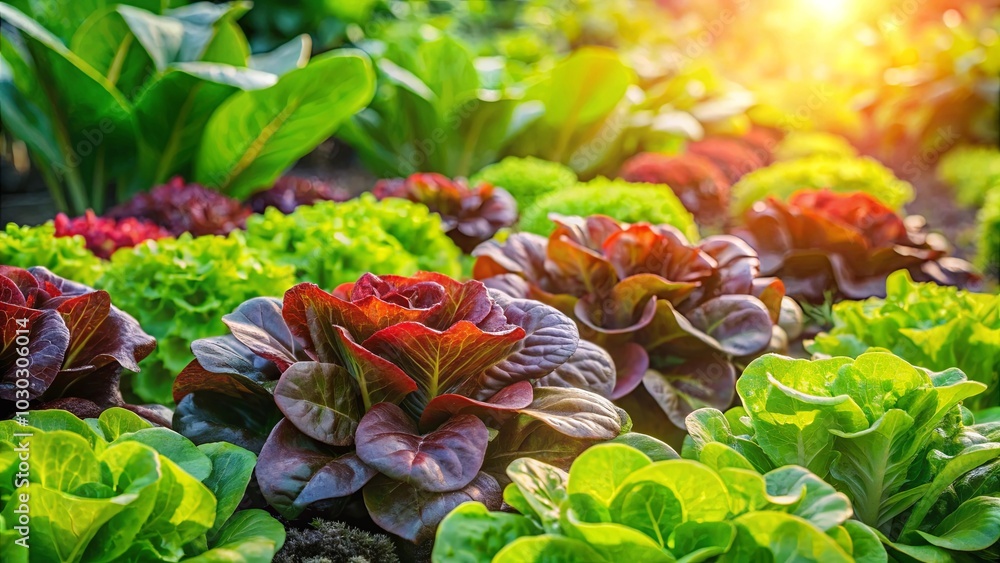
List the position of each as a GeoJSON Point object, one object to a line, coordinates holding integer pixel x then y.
{"type": "Point", "coordinates": [104, 236]}
{"type": "Point", "coordinates": [700, 185]}
{"type": "Point", "coordinates": [413, 391]}
{"type": "Point", "coordinates": [64, 346]}
{"type": "Point", "coordinates": [469, 214]}
{"type": "Point", "coordinates": [677, 318]}
{"type": "Point", "coordinates": [824, 245]}
{"type": "Point", "coordinates": [185, 208]}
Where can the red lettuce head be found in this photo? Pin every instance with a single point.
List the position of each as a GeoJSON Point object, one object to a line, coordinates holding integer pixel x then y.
{"type": "Point", "coordinates": [185, 208]}
{"type": "Point", "coordinates": [416, 392]}
{"type": "Point", "coordinates": [289, 192]}
{"type": "Point", "coordinates": [732, 156]}
{"type": "Point", "coordinates": [825, 245]}
{"type": "Point", "coordinates": [75, 342]}
{"type": "Point", "coordinates": [104, 236]}
{"type": "Point", "coordinates": [469, 214]}
{"type": "Point", "coordinates": [700, 185]}
{"type": "Point", "coordinates": [677, 318]}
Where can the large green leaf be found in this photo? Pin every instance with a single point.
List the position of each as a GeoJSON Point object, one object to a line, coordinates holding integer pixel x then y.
{"type": "Point", "coordinates": [232, 467]}
{"type": "Point", "coordinates": [974, 526]}
{"type": "Point", "coordinates": [256, 135]}
{"type": "Point", "coordinates": [601, 469]}
{"type": "Point", "coordinates": [251, 536]}
{"type": "Point", "coordinates": [169, 139]}
{"type": "Point", "coordinates": [473, 534]}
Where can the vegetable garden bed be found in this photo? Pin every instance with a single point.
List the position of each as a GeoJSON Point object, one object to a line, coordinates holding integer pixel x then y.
{"type": "Point", "coordinates": [570, 281]}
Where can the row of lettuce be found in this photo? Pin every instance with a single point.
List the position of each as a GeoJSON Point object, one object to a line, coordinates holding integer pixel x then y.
{"type": "Point", "coordinates": [428, 403]}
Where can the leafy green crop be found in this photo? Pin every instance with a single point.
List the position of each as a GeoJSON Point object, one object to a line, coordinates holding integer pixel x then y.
{"type": "Point", "coordinates": [988, 225]}
{"type": "Point", "coordinates": [801, 144]}
{"type": "Point", "coordinates": [433, 112]}
{"type": "Point", "coordinates": [332, 243]}
{"type": "Point", "coordinates": [972, 171]}
{"type": "Point", "coordinates": [617, 504]}
{"type": "Point", "coordinates": [837, 173]}
{"type": "Point", "coordinates": [527, 179]}
{"type": "Point", "coordinates": [926, 324]}
{"type": "Point", "coordinates": [179, 289]}
{"type": "Point", "coordinates": [889, 435]}
{"type": "Point", "coordinates": [110, 93]}
{"type": "Point", "coordinates": [27, 247]}
{"type": "Point", "coordinates": [115, 488]}
{"type": "Point", "coordinates": [618, 199]}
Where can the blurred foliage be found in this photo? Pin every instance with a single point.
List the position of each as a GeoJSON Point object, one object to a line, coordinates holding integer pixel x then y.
{"type": "Point", "coordinates": [973, 172]}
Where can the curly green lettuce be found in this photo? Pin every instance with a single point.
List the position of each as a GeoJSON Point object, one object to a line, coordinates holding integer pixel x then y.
{"type": "Point", "coordinates": [988, 225]}
{"type": "Point", "coordinates": [973, 172]}
{"type": "Point", "coordinates": [839, 174]}
{"type": "Point", "coordinates": [926, 324]}
{"type": "Point", "coordinates": [528, 178]}
{"type": "Point", "coordinates": [332, 243]}
{"type": "Point", "coordinates": [625, 201]}
{"type": "Point", "coordinates": [800, 144]}
{"type": "Point", "coordinates": [27, 247]}
{"type": "Point", "coordinates": [179, 289]}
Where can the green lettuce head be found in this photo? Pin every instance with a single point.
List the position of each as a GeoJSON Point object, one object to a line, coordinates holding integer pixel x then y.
{"type": "Point", "coordinates": [179, 289]}
{"type": "Point", "coordinates": [68, 257]}
{"type": "Point", "coordinates": [115, 488]}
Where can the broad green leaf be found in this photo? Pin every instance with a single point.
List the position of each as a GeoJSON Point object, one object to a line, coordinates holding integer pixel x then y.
{"type": "Point", "coordinates": [184, 510]}
{"type": "Point", "coordinates": [61, 461]}
{"type": "Point", "coordinates": [202, 22]}
{"type": "Point", "coordinates": [650, 508]}
{"type": "Point", "coordinates": [174, 447]}
{"type": "Point", "coordinates": [473, 534]}
{"type": "Point", "coordinates": [63, 19]}
{"type": "Point", "coordinates": [255, 135]}
{"type": "Point", "coordinates": [819, 503]}
{"type": "Point", "coordinates": [232, 467]}
{"type": "Point", "coordinates": [539, 549]}
{"type": "Point", "coordinates": [616, 542]}
{"type": "Point", "coordinates": [700, 541]}
{"type": "Point", "coordinates": [718, 457]}
{"type": "Point", "coordinates": [53, 419]}
{"type": "Point", "coordinates": [117, 421]}
{"type": "Point", "coordinates": [866, 546]}
{"type": "Point", "coordinates": [699, 489]}
{"type": "Point", "coordinates": [748, 491]}
{"type": "Point", "coordinates": [169, 140]}
{"type": "Point", "coordinates": [251, 536]}
{"type": "Point", "coordinates": [974, 526]}
{"type": "Point", "coordinates": [55, 537]}
{"type": "Point", "coordinates": [654, 449]}
{"type": "Point", "coordinates": [229, 46]}
{"type": "Point", "coordinates": [786, 537]}
{"type": "Point", "coordinates": [967, 460]}
{"type": "Point", "coordinates": [600, 470]}
{"type": "Point", "coordinates": [542, 486]}
{"type": "Point", "coordinates": [134, 469]}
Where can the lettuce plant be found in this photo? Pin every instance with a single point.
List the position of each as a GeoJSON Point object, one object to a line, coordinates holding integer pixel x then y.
{"type": "Point", "coordinates": [131, 492]}
{"type": "Point", "coordinates": [927, 325]}
{"type": "Point", "coordinates": [802, 144]}
{"type": "Point", "coordinates": [64, 345]}
{"type": "Point", "coordinates": [469, 214]}
{"type": "Point", "coordinates": [836, 173]}
{"type": "Point", "coordinates": [890, 436]}
{"type": "Point", "coordinates": [416, 392]}
{"type": "Point", "coordinates": [617, 504]}
{"type": "Point", "coordinates": [678, 318]}
{"type": "Point", "coordinates": [289, 192]}
{"type": "Point", "coordinates": [426, 120]}
{"type": "Point", "coordinates": [528, 178]}
{"type": "Point", "coordinates": [179, 288]}
{"type": "Point", "coordinates": [27, 247]}
{"type": "Point", "coordinates": [111, 93]}
{"type": "Point", "coordinates": [621, 200]}
{"type": "Point", "coordinates": [972, 172]}
{"type": "Point", "coordinates": [988, 227]}
{"type": "Point", "coordinates": [181, 208]}
{"type": "Point", "coordinates": [332, 243]}
{"type": "Point", "coordinates": [700, 185]}
{"type": "Point", "coordinates": [826, 245]}
{"type": "Point", "coordinates": [732, 155]}
{"type": "Point", "coordinates": [103, 235]}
